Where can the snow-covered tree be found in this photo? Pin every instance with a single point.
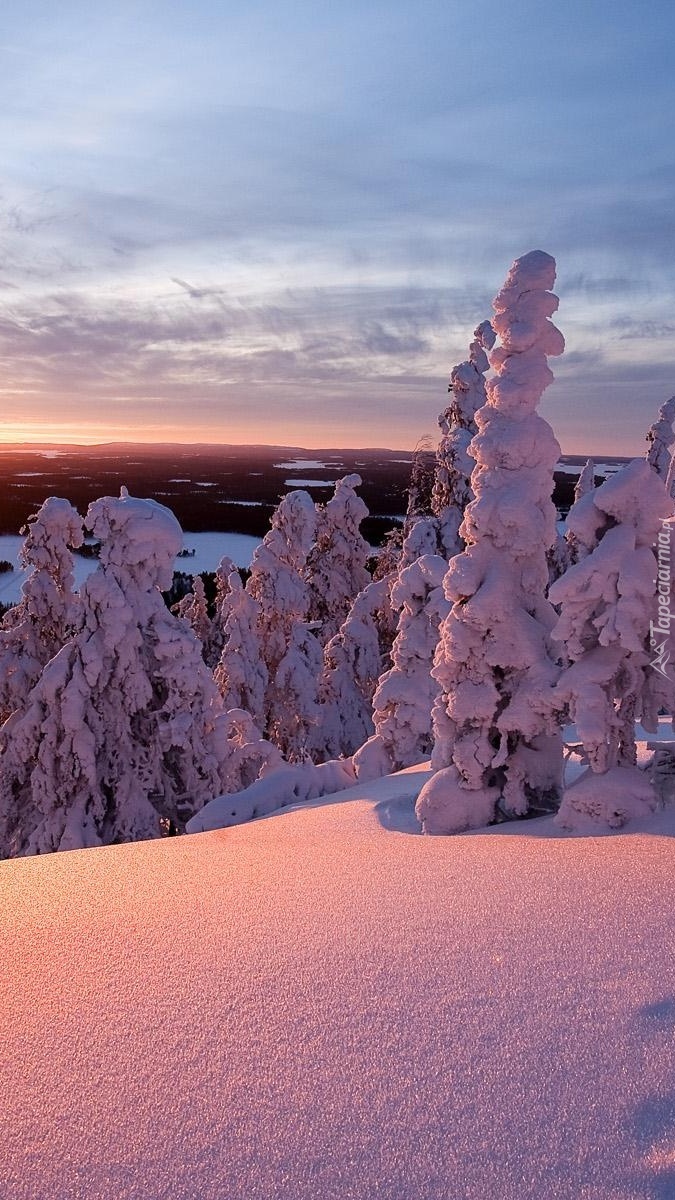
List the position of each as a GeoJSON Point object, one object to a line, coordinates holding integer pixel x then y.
{"type": "Point", "coordinates": [405, 694]}
{"type": "Point", "coordinates": [277, 579]}
{"type": "Point", "coordinates": [421, 537]}
{"type": "Point", "coordinates": [586, 481]}
{"type": "Point", "coordinates": [353, 662]}
{"type": "Point", "coordinates": [193, 609]}
{"type": "Point", "coordinates": [37, 627]}
{"type": "Point", "coordinates": [670, 481]}
{"type": "Point", "coordinates": [452, 485]}
{"type": "Point", "coordinates": [249, 754]}
{"type": "Point", "coordinates": [120, 734]}
{"type": "Point", "coordinates": [422, 479]}
{"type": "Point", "coordinates": [277, 582]}
{"type": "Point", "coordinates": [241, 672]}
{"type": "Point", "coordinates": [660, 438]}
{"type": "Point", "coordinates": [495, 738]}
{"type": "Point", "coordinates": [336, 564]}
{"type": "Point", "coordinates": [389, 556]}
{"type": "Point", "coordinates": [607, 602]}
{"type": "Point", "coordinates": [580, 531]}
{"type": "Point", "coordinates": [216, 636]}
{"type": "Point", "coordinates": [293, 695]}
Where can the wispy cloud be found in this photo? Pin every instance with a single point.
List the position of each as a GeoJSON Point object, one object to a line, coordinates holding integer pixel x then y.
{"type": "Point", "coordinates": [237, 207]}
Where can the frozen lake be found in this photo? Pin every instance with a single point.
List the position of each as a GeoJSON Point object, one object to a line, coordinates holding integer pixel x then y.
{"type": "Point", "coordinates": [209, 548]}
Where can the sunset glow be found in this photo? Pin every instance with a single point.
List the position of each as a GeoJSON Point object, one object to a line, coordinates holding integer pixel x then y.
{"type": "Point", "coordinates": [279, 226]}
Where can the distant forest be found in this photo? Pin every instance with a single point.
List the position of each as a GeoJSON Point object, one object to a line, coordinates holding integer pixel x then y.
{"type": "Point", "coordinates": [219, 488]}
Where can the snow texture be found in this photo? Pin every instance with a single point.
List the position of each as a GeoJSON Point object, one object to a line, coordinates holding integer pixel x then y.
{"type": "Point", "coordinates": [607, 801]}
{"type": "Point", "coordinates": [317, 1005]}
{"type": "Point", "coordinates": [280, 785]}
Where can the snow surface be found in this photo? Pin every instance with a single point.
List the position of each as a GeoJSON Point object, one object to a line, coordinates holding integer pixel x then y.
{"type": "Point", "coordinates": [319, 1005]}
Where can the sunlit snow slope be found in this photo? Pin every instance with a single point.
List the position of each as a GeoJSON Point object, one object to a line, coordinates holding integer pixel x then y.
{"type": "Point", "coordinates": [319, 1005]}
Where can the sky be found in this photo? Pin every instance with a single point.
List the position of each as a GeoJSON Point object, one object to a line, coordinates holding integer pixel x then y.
{"type": "Point", "coordinates": [280, 222]}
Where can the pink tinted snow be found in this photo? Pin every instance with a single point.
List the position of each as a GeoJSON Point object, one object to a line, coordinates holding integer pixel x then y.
{"type": "Point", "coordinates": [317, 1006]}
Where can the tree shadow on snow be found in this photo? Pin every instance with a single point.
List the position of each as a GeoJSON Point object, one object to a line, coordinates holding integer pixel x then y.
{"type": "Point", "coordinates": [398, 816]}
{"type": "Point", "coordinates": [655, 1140]}
{"type": "Point", "coordinates": [659, 1015]}
{"type": "Point", "coordinates": [654, 1117]}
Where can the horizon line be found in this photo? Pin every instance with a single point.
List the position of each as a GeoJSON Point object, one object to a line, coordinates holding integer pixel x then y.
{"type": "Point", "coordinates": [94, 445]}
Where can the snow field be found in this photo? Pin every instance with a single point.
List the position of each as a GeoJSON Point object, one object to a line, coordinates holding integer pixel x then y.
{"type": "Point", "coordinates": [319, 1005]}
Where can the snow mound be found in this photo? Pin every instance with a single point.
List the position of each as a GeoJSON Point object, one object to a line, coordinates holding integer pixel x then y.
{"type": "Point", "coordinates": [597, 802]}
{"type": "Point", "coordinates": [284, 785]}
{"type": "Point", "coordinates": [444, 806]}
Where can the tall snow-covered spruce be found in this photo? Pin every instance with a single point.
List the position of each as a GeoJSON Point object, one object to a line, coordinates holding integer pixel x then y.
{"type": "Point", "coordinates": [496, 743]}
{"type": "Point", "coordinates": [193, 609]}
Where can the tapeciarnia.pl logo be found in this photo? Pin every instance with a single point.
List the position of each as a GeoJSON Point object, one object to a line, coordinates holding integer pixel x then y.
{"type": "Point", "coordinates": [659, 632]}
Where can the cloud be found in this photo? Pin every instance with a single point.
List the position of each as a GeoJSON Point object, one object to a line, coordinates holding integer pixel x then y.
{"type": "Point", "coordinates": [75, 340]}
{"type": "Point", "coordinates": [630, 328]}
{"type": "Point", "coordinates": [197, 293]}
{"type": "Point", "coordinates": [237, 206]}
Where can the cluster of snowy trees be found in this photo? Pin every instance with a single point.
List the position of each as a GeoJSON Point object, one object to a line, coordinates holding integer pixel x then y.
{"type": "Point", "coordinates": [482, 633]}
